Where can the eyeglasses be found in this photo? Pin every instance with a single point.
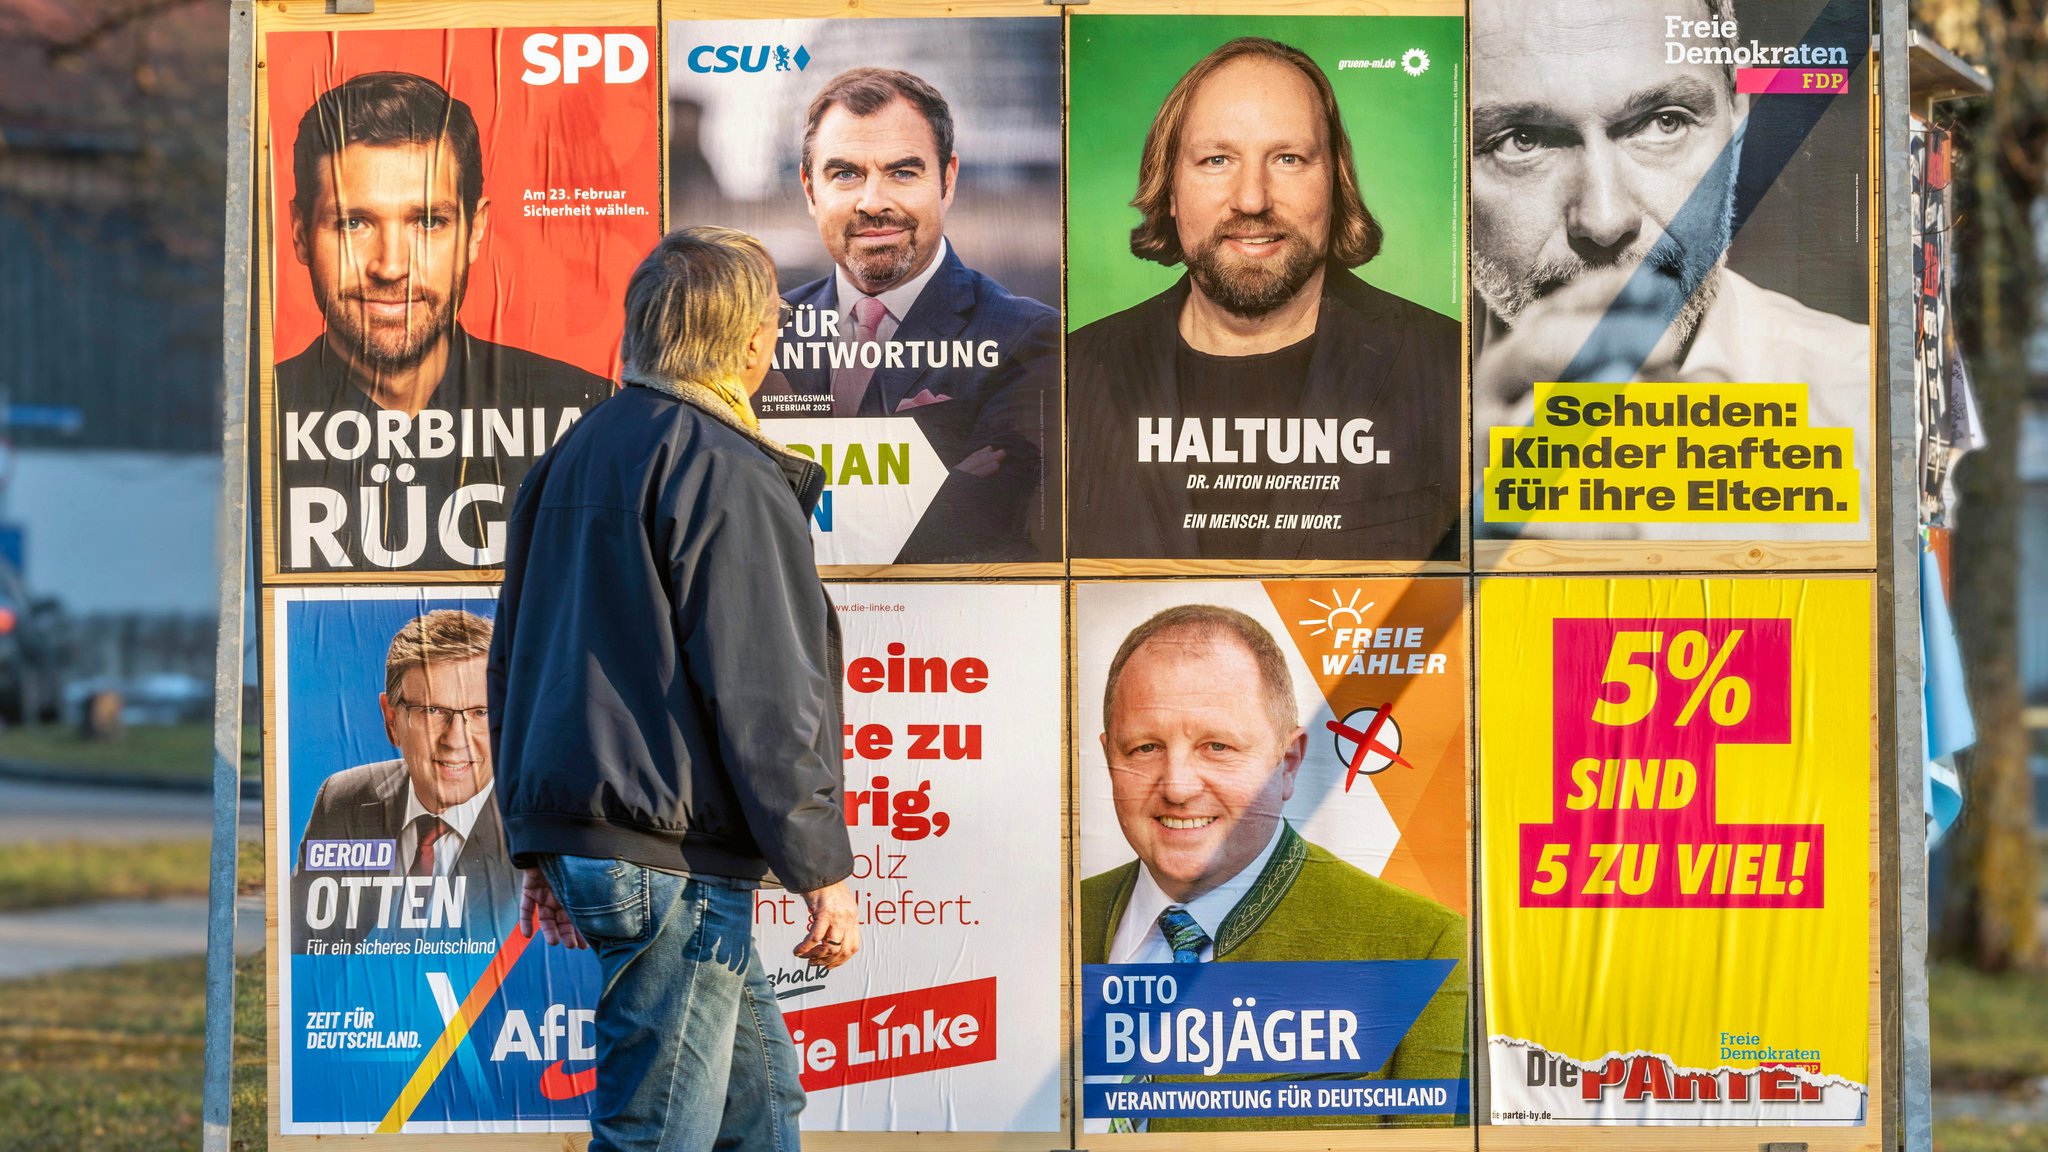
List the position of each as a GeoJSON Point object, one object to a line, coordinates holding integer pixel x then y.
{"type": "Point", "coordinates": [437, 716]}
{"type": "Point", "coordinates": [785, 313]}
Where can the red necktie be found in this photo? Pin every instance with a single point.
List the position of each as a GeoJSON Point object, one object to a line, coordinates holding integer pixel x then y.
{"type": "Point", "coordinates": [850, 384]}
{"type": "Point", "coordinates": [430, 828]}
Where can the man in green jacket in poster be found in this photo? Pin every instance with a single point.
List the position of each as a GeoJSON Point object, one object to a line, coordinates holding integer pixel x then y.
{"type": "Point", "coordinates": [1203, 742]}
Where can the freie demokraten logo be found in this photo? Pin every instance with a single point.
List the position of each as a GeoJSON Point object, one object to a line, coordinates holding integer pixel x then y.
{"type": "Point", "coordinates": [715, 58]}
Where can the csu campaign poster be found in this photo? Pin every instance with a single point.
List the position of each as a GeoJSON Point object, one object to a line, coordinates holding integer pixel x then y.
{"type": "Point", "coordinates": [905, 176]}
{"type": "Point", "coordinates": [949, 1017]}
{"type": "Point", "coordinates": [1670, 271]}
{"type": "Point", "coordinates": [1264, 245]}
{"type": "Point", "coordinates": [408, 1001]}
{"type": "Point", "coordinates": [1273, 833]}
{"type": "Point", "coordinates": [1675, 788]}
{"type": "Point", "coordinates": [453, 217]}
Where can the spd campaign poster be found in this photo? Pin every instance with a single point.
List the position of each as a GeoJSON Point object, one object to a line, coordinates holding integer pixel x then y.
{"type": "Point", "coordinates": [905, 176]}
{"type": "Point", "coordinates": [454, 213]}
{"type": "Point", "coordinates": [1273, 833]}
{"type": "Point", "coordinates": [948, 1019]}
{"type": "Point", "coordinates": [1675, 792]}
{"type": "Point", "coordinates": [1264, 227]}
{"type": "Point", "coordinates": [1670, 273]}
{"type": "Point", "coordinates": [408, 1000]}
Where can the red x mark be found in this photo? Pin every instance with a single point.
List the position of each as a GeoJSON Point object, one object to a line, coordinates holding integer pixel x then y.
{"type": "Point", "coordinates": [1368, 741]}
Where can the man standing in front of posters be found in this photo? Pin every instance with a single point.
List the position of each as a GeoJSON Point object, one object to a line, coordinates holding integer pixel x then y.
{"type": "Point", "coordinates": [1203, 742]}
{"type": "Point", "coordinates": [1247, 178]}
{"type": "Point", "coordinates": [664, 690]}
{"type": "Point", "coordinates": [1603, 203]}
{"type": "Point", "coordinates": [432, 805]}
{"type": "Point", "coordinates": [401, 435]}
{"type": "Point", "coordinates": [879, 174]}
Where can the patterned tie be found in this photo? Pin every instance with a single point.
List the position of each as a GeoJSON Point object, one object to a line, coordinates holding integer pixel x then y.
{"type": "Point", "coordinates": [850, 384]}
{"type": "Point", "coordinates": [1185, 936]}
{"type": "Point", "coordinates": [430, 829]}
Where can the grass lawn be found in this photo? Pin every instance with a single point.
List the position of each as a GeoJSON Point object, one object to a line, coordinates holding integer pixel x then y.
{"type": "Point", "coordinates": [166, 752]}
{"type": "Point", "coordinates": [50, 875]}
{"type": "Point", "coordinates": [1990, 1032]}
{"type": "Point", "coordinates": [113, 1059]}
{"type": "Point", "coordinates": [1980, 1136]}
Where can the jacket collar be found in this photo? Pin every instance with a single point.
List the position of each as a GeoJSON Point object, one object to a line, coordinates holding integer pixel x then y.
{"type": "Point", "coordinates": [1279, 874]}
{"type": "Point", "coordinates": [805, 477]}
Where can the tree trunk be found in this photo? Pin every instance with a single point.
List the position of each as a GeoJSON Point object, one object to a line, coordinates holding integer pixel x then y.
{"type": "Point", "coordinates": [1992, 893]}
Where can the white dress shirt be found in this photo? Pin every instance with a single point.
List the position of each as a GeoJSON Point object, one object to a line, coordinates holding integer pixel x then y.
{"type": "Point", "coordinates": [460, 819]}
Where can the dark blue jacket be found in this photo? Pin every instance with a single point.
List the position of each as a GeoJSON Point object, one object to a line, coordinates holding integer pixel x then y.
{"type": "Point", "coordinates": [664, 675]}
{"type": "Point", "coordinates": [1012, 515]}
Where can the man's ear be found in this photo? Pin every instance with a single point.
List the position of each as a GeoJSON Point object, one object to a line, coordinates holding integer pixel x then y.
{"type": "Point", "coordinates": [479, 223]}
{"type": "Point", "coordinates": [810, 204]}
{"type": "Point", "coordinates": [390, 711]}
{"type": "Point", "coordinates": [301, 243]}
{"type": "Point", "coordinates": [950, 179]}
{"type": "Point", "coordinates": [760, 346]}
{"type": "Point", "coordinates": [1291, 756]}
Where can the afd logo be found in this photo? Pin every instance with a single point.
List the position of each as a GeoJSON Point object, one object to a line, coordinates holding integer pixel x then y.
{"type": "Point", "coordinates": [748, 58]}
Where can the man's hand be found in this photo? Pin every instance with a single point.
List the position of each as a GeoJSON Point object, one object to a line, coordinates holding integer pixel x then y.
{"type": "Point", "coordinates": [835, 927]}
{"type": "Point", "coordinates": [537, 905]}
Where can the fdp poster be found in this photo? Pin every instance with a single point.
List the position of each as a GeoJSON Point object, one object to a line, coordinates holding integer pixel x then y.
{"type": "Point", "coordinates": [1273, 831]}
{"type": "Point", "coordinates": [905, 176]}
{"type": "Point", "coordinates": [454, 213]}
{"type": "Point", "coordinates": [408, 1000]}
{"type": "Point", "coordinates": [949, 1018]}
{"type": "Point", "coordinates": [1675, 782]}
{"type": "Point", "coordinates": [1264, 250]}
{"type": "Point", "coordinates": [1670, 274]}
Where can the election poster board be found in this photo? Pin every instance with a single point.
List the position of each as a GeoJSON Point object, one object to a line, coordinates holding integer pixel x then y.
{"type": "Point", "coordinates": [408, 1002]}
{"type": "Point", "coordinates": [455, 199]}
{"type": "Point", "coordinates": [949, 1020]}
{"type": "Point", "coordinates": [1272, 918]}
{"type": "Point", "coordinates": [1676, 796]}
{"type": "Point", "coordinates": [1671, 333]}
{"type": "Point", "coordinates": [1265, 354]}
{"type": "Point", "coordinates": [905, 176]}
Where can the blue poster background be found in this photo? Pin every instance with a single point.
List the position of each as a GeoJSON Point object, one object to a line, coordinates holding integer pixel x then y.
{"type": "Point", "coordinates": [358, 1027]}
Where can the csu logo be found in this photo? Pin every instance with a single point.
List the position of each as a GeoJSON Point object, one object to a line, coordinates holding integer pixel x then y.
{"type": "Point", "coordinates": [748, 58]}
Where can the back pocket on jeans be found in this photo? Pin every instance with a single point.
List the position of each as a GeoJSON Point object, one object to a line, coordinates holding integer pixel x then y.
{"type": "Point", "coordinates": [606, 898]}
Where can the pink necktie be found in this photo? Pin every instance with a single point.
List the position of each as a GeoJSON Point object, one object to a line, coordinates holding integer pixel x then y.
{"type": "Point", "coordinates": [850, 384]}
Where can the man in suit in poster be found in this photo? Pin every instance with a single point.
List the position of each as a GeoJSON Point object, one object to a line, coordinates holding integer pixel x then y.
{"type": "Point", "coordinates": [1203, 743]}
{"type": "Point", "coordinates": [903, 327]}
{"type": "Point", "coordinates": [428, 813]}
{"type": "Point", "coordinates": [395, 396]}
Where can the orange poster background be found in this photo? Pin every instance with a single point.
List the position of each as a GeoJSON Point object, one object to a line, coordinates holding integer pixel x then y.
{"type": "Point", "coordinates": [551, 285]}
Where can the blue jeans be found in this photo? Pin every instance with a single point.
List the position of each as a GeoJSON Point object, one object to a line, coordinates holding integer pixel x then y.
{"type": "Point", "coordinates": [692, 1054]}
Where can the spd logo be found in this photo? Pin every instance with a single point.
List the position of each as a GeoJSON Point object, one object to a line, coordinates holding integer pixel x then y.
{"type": "Point", "coordinates": [748, 58]}
{"type": "Point", "coordinates": [550, 59]}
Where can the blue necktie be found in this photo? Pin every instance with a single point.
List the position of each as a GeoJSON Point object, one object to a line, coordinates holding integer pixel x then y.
{"type": "Point", "coordinates": [1183, 934]}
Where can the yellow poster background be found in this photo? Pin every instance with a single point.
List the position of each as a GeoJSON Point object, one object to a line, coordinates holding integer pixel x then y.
{"type": "Point", "coordinates": [1588, 982]}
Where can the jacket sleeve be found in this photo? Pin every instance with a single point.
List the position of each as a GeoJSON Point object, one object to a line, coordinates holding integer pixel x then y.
{"type": "Point", "coordinates": [755, 632]}
{"type": "Point", "coordinates": [1435, 1047]}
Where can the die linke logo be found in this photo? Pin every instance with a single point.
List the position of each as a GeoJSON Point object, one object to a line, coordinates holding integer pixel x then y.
{"type": "Point", "coordinates": [748, 58]}
{"type": "Point", "coordinates": [896, 1035]}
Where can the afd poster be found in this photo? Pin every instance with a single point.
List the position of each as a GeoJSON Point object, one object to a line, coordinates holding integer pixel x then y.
{"type": "Point", "coordinates": [949, 1018]}
{"type": "Point", "coordinates": [454, 213]}
{"type": "Point", "coordinates": [905, 176]}
{"type": "Point", "coordinates": [1670, 271]}
{"type": "Point", "coordinates": [1675, 790]}
{"type": "Point", "coordinates": [1264, 247]}
{"type": "Point", "coordinates": [408, 1000]}
{"type": "Point", "coordinates": [1273, 833]}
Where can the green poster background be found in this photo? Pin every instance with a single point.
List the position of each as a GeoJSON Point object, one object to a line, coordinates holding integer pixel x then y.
{"type": "Point", "coordinates": [1407, 136]}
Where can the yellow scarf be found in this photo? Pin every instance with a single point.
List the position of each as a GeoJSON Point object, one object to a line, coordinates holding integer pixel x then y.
{"type": "Point", "coordinates": [734, 397]}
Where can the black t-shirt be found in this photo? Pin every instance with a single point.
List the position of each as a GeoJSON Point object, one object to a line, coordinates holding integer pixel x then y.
{"type": "Point", "coordinates": [362, 489]}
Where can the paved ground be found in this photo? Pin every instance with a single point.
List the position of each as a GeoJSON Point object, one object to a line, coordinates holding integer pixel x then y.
{"type": "Point", "coordinates": [60, 939]}
{"type": "Point", "coordinates": [31, 811]}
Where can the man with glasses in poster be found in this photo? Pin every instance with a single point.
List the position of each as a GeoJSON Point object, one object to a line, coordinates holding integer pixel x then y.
{"type": "Point", "coordinates": [425, 816]}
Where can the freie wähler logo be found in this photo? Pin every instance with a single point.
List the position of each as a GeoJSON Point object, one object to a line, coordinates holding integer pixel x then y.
{"type": "Point", "coordinates": [748, 58]}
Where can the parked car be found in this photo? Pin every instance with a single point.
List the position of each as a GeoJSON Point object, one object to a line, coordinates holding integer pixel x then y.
{"type": "Point", "coordinates": [31, 652]}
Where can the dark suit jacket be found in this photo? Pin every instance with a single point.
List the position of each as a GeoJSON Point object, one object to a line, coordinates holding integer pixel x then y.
{"type": "Point", "coordinates": [367, 802]}
{"type": "Point", "coordinates": [1012, 515]}
{"type": "Point", "coordinates": [1376, 356]}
